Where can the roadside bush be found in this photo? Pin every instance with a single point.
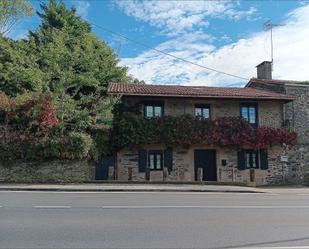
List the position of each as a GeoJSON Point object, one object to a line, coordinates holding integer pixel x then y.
{"type": "Point", "coordinates": [102, 142]}
{"type": "Point", "coordinates": [49, 149]}
{"type": "Point", "coordinates": [73, 146]}
{"type": "Point", "coordinates": [8, 152]}
{"type": "Point", "coordinates": [78, 145]}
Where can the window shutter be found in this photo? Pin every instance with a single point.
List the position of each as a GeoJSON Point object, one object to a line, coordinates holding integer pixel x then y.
{"type": "Point", "coordinates": [142, 160]}
{"type": "Point", "coordinates": [241, 160]}
{"type": "Point", "coordinates": [264, 159]}
{"type": "Point", "coordinates": [168, 159]}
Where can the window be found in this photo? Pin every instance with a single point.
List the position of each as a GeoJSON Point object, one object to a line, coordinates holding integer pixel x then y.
{"type": "Point", "coordinates": [155, 160]}
{"type": "Point", "coordinates": [202, 111]}
{"type": "Point", "coordinates": [251, 159]}
{"type": "Point", "coordinates": [153, 110]}
{"type": "Point", "coordinates": [249, 113]}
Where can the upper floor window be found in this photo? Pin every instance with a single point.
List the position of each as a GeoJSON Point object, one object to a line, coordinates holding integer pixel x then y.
{"type": "Point", "coordinates": [152, 110]}
{"type": "Point", "coordinates": [249, 113]}
{"type": "Point", "coordinates": [202, 111]}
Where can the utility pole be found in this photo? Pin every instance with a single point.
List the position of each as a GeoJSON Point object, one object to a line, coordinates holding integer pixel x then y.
{"type": "Point", "coordinates": [269, 26]}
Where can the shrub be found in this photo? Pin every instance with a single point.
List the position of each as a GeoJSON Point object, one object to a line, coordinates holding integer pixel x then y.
{"type": "Point", "coordinates": [8, 152]}
{"type": "Point", "coordinates": [74, 146]}
{"type": "Point", "coordinates": [78, 145]}
{"type": "Point", "coordinates": [102, 142]}
{"type": "Point", "coordinates": [47, 148]}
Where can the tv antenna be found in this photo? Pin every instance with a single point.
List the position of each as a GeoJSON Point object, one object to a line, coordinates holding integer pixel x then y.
{"type": "Point", "coordinates": [269, 25]}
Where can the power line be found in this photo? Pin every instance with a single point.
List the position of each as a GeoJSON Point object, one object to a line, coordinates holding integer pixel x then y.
{"type": "Point", "coordinates": [165, 53]}
{"type": "Point", "coordinates": [162, 52]}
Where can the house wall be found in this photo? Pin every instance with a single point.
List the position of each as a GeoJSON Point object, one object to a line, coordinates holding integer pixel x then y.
{"type": "Point", "coordinates": [183, 165]}
{"type": "Point", "coordinates": [270, 112]}
{"type": "Point", "coordinates": [297, 113]}
{"type": "Point", "coordinates": [296, 117]}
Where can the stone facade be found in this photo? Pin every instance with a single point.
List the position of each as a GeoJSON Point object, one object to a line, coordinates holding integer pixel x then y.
{"type": "Point", "coordinates": [297, 114]}
{"type": "Point", "coordinates": [270, 113]}
{"type": "Point", "coordinates": [295, 117]}
{"type": "Point", "coordinates": [47, 172]}
{"type": "Point", "coordinates": [183, 166]}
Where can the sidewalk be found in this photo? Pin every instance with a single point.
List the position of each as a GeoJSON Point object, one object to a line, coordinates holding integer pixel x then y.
{"type": "Point", "coordinates": [130, 188]}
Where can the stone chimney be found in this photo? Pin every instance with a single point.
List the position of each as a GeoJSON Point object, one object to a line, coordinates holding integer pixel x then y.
{"type": "Point", "coordinates": [264, 70]}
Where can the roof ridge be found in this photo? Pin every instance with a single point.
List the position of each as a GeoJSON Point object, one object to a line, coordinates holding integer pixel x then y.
{"type": "Point", "coordinates": [194, 91]}
{"type": "Point", "coordinates": [183, 86]}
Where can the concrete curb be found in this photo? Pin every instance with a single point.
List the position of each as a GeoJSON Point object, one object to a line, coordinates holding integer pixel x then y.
{"type": "Point", "coordinates": [62, 188]}
{"type": "Point", "coordinates": [131, 190]}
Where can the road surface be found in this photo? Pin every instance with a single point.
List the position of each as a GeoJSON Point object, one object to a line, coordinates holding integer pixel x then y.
{"type": "Point", "coordinates": [153, 220]}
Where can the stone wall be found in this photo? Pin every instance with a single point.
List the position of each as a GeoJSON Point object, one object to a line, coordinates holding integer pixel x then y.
{"type": "Point", "coordinates": [47, 172]}
{"type": "Point", "coordinates": [297, 166]}
{"type": "Point", "coordinates": [183, 165]}
{"type": "Point", "coordinates": [296, 117]}
{"type": "Point", "coordinates": [297, 112]}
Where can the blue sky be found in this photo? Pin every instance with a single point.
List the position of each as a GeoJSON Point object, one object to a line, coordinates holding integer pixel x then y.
{"type": "Point", "coordinates": [225, 35]}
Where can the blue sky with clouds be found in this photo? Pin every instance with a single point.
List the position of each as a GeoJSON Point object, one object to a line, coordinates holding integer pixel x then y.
{"type": "Point", "coordinates": [225, 35]}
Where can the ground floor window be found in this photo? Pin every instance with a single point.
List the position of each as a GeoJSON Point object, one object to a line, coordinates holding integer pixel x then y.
{"type": "Point", "coordinates": [252, 159]}
{"type": "Point", "coordinates": [155, 160]}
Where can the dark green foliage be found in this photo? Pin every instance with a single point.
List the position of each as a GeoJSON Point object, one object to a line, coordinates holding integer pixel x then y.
{"type": "Point", "coordinates": [78, 145]}
{"type": "Point", "coordinates": [18, 69]}
{"type": "Point", "coordinates": [48, 149]}
{"type": "Point", "coordinates": [74, 146]}
{"type": "Point", "coordinates": [66, 61]}
{"type": "Point", "coordinates": [102, 142]}
{"type": "Point", "coordinates": [63, 57]}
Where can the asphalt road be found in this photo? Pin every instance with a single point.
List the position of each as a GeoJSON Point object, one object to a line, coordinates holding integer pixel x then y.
{"type": "Point", "coordinates": [153, 220]}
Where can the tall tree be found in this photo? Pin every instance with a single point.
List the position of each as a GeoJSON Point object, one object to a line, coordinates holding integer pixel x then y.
{"type": "Point", "coordinates": [19, 71]}
{"type": "Point", "coordinates": [77, 66]}
{"type": "Point", "coordinates": [11, 11]}
{"type": "Point", "coordinates": [64, 58]}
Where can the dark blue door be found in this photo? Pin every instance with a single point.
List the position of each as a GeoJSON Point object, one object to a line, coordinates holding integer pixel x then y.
{"type": "Point", "coordinates": [206, 159]}
{"type": "Point", "coordinates": [103, 163]}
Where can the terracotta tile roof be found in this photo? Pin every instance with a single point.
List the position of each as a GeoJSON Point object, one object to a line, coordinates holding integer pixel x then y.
{"type": "Point", "coordinates": [279, 82]}
{"type": "Point", "coordinates": [193, 91]}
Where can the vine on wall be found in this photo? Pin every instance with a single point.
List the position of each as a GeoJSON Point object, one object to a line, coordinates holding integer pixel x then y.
{"type": "Point", "coordinates": [132, 129]}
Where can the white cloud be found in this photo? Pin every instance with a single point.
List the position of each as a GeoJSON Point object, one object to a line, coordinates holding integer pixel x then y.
{"type": "Point", "coordinates": [175, 17]}
{"type": "Point", "coordinates": [291, 57]}
{"type": "Point", "coordinates": [82, 8]}
{"type": "Point", "coordinates": [18, 34]}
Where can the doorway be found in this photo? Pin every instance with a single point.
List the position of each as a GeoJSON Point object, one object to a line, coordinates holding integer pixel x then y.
{"type": "Point", "coordinates": [205, 159]}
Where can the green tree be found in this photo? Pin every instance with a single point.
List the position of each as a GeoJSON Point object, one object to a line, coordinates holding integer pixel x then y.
{"type": "Point", "coordinates": [11, 11]}
{"type": "Point", "coordinates": [19, 71]}
{"type": "Point", "coordinates": [65, 58]}
{"type": "Point", "coordinates": [77, 66]}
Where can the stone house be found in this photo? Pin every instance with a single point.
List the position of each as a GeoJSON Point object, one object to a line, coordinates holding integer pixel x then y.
{"type": "Point", "coordinates": [296, 117]}
{"type": "Point", "coordinates": [259, 106]}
